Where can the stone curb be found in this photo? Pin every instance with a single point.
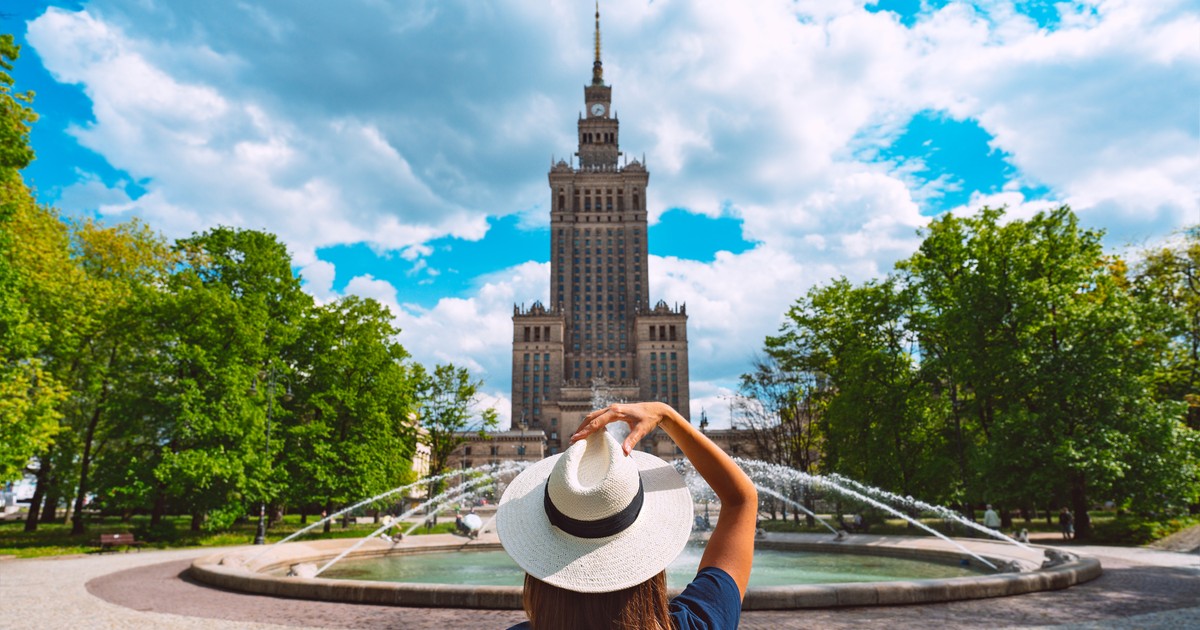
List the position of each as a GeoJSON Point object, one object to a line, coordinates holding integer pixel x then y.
{"type": "Point", "coordinates": [247, 571]}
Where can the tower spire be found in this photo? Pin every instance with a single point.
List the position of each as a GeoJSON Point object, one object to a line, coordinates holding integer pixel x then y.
{"type": "Point", "coordinates": [597, 67]}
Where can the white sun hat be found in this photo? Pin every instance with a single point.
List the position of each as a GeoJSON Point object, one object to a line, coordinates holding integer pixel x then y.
{"type": "Point", "coordinates": [592, 520]}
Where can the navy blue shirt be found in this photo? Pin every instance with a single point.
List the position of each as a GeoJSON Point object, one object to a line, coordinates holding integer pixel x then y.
{"type": "Point", "coordinates": [710, 602]}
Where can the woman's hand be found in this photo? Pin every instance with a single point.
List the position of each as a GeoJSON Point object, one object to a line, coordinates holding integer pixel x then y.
{"type": "Point", "coordinates": [641, 418]}
{"type": "Point", "coordinates": [731, 545]}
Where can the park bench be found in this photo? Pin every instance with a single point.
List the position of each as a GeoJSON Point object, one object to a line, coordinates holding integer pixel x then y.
{"type": "Point", "coordinates": [112, 541]}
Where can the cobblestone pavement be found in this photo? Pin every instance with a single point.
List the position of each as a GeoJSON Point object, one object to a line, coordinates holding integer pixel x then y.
{"type": "Point", "coordinates": [1140, 588]}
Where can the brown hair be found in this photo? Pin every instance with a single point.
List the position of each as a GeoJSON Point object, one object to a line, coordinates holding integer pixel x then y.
{"type": "Point", "coordinates": [640, 607]}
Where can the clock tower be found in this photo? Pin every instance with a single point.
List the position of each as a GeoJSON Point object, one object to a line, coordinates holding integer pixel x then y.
{"type": "Point", "coordinates": [600, 338]}
{"type": "Point", "coordinates": [598, 126]}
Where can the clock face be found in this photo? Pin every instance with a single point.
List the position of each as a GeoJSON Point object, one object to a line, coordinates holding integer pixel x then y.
{"type": "Point", "coordinates": [598, 109]}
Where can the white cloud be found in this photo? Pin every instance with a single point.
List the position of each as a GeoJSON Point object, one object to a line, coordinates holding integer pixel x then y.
{"type": "Point", "coordinates": [417, 121]}
{"type": "Point", "coordinates": [1096, 111]}
{"type": "Point", "coordinates": [366, 286]}
{"type": "Point", "coordinates": [1014, 202]}
{"type": "Point", "coordinates": [475, 332]}
{"type": "Point", "coordinates": [318, 280]}
{"type": "Point", "coordinates": [732, 304]}
{"type": "Point", "coordinates": [89, 193]}
{"type": "Point", "coordinates": [212, 159]}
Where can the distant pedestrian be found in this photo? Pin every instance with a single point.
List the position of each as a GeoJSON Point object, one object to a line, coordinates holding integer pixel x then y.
{"type": "Point", "coordinates": [399, 536]}
{"type": "Point", "coordinates": [991, 519]}
{"type": "Point", "coordinates": [1066, 522]}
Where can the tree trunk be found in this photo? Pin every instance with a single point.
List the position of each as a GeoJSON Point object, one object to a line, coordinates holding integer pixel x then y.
{"type": "Point", "coordinates": [50, 503]}
{"type": "Point", "coordinates": [960, 447]}
{"type": "Point", "coordinates": [39, 495]}
{"type": "Point", "coordinates": [809, 503]}
{"type": "Point", "coordinates": [328, 509]}
{"type": "Point", "coordinates": [1006, 521]}
{"type": "Point", "coordinates": [197, 521]}
{"type": "Point", "coordinates": [160, 508]}
{"type": "Point", "coordinates": [77, 525]}
{"type": "Point", "coordinates": [1079, 505]}
{"type": "Point", "coordinates": [303, 514]}
{"type": "Point", "coordinates": [67, 512]}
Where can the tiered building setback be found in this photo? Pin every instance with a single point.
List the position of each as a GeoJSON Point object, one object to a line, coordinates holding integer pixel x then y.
{"type": "Point", "coordinates": [600, 338]}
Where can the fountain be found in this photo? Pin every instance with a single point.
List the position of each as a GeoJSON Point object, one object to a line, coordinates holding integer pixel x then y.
{"type": "Point", "coordinates": [988, 568]}
{"type": "Point", "coordinates": [771, 568]}
{"type": "Point", "coordinates": [454, 494]}
{"type": "Point", "coordinates": [943, 512]}
{"type": "Point", "coordinates": [755, 468]}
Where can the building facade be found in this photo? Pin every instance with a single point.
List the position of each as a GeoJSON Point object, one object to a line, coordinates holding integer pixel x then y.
{"type": "Point", "coordinates": [517, 445]}
{"type": "Point", "coordinates": [601, 338]}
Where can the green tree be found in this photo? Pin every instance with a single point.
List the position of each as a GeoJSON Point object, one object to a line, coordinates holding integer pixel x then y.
{"type": "Point", "coordinates": [47, 281]}
{"type": "Point", "coordinates": [29, 395]}
{"type": "Point", "coordinates": [195, 425]}
{"type": "Point", "coordinates": [195, 432]}
{"type": "Point", "coordinates": [122, 266]}
{"type": "Point", "coordinates": [1009, 362]}
{"type": "Point", "coordinates": [16, 115]}
{"type": "Point", "coordinates": [448, 413]}
{"type": "Point", "coordinates": [880, 424]}
{"type": "Point", "coordinates": [350, 431]}
{"type": "Point", "coordinates": [1169, 275]}
{"type": "Point", "coordinates": [33, 271]}
{"type": "Point", "coordinates": [1041, 353]}
{"type": "Point", "coordinates": [968, 323]}
{"type": "Point", "coordinates": [783, 411]}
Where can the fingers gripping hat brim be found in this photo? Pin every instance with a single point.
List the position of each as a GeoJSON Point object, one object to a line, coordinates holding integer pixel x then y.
{"type": "Point", "coordinates": [596, 565]}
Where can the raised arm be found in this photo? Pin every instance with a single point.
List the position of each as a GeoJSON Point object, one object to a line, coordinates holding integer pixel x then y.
{"type": "Point", "coordinates": [731, 546]}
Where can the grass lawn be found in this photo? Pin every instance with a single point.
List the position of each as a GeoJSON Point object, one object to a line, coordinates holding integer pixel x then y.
{"type": "Point", "coordinates": [56, 539]}
{"type": "Point", "coordinates": [53, 539]}
{"type": "Point", "coordinates": [1108, 528]}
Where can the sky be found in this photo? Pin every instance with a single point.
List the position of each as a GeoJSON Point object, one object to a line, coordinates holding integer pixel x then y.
{"type": "Point", "coordinates": [401, 149]}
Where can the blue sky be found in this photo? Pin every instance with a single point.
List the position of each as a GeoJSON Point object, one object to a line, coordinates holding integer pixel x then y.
{"type": "Point", "coordinates": [401, 149]}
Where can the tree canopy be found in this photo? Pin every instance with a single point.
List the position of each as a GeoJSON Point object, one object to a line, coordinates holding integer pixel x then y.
{"type": "Point", "coordinates": [450, 413]}
{"type": "Point", "coordinates": [1012, 362]}
{"type": "Point", "coordinates": [192, 377]}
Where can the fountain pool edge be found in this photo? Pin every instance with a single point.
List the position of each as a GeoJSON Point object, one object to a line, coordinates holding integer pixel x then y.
{"type": "Point", "coordinates": [243, 571]}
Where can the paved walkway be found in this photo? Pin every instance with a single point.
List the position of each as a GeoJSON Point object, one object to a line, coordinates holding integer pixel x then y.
{"type": "Point", "coordinates": [1140, 588]}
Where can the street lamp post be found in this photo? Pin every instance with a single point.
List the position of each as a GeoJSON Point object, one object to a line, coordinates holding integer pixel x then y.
{"type": "Point", "coordinates": [272, 377]}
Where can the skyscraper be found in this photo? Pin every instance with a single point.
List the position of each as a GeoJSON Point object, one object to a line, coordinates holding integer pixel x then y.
{"type": "Point", "coordinates": [600, 338]}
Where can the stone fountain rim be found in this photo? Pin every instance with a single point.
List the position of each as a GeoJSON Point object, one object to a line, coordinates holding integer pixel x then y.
{"type": "Point", "coordinates": [241, 571]}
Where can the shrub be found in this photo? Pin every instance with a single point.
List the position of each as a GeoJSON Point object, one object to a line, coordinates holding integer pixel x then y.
{"type": "Point", "coordinates": [1127, 530]}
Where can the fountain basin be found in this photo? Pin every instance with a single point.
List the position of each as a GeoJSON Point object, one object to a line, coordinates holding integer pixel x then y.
{"type": "Point", "coordinates": [250, 570]}
{"type": "Point", "coordinates": [772, 567]}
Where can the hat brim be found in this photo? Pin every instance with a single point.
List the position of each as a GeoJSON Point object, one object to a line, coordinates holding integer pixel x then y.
{"type": "Point", "coordinates": [596, 565]}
